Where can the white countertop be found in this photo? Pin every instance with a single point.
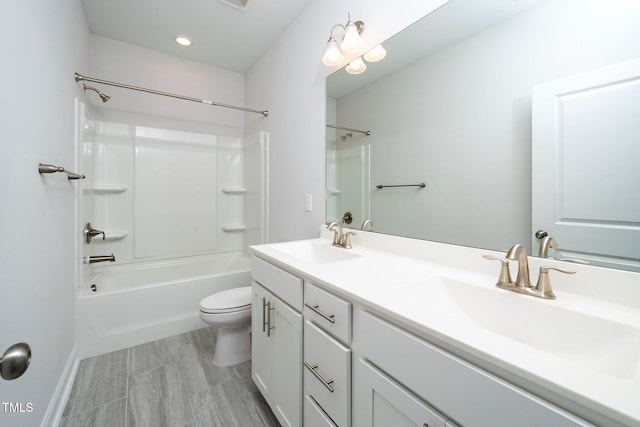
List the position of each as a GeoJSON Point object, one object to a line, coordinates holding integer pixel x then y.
{"type": "Point", "coordinates": [595, 373]}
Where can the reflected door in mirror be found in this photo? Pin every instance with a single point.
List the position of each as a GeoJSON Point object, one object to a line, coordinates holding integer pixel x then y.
{"type": "Point", "coordinates": [586, 165]}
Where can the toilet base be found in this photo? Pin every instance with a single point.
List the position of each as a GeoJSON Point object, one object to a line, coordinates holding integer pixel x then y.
{"type": "Point", "coordinates": [233, 346]}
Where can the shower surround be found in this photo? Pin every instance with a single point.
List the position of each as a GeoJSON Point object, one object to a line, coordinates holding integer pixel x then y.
{"type": "Point", "coordinates": [177, 210]}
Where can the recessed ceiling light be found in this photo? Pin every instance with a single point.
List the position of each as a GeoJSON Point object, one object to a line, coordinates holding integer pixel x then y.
{"type": "Point", "coordinates": [183, 40]}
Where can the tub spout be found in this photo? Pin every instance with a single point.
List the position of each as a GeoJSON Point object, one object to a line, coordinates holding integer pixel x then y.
{"type": "Point", "coordinates": [99, 258]}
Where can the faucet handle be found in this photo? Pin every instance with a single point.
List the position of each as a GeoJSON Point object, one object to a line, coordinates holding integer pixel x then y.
{"type": "Point", "coordinates": [504, 278]}
{"type": "Point", "coordinates": [347, 239]}
{"type": "Point", "coordinates": [543, 287]}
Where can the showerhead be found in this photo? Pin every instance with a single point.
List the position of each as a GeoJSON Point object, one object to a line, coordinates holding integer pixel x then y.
{"type": "Point", "coordinates": [103, 96]}
{"type": "Point", "coordinates": [344, 137]}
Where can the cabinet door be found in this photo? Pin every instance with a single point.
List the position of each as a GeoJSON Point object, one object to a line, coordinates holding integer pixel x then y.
{"type": "Point", "coordinates": [314, 416]}
{"type": "Point", "coordinates": [286, 338]}
{"type": "Point", "coordinates": [262, 352]}
{"type": "Point", "coordinates": [276, 366]}
{"type": "Point", "coordinates": [380, 402]}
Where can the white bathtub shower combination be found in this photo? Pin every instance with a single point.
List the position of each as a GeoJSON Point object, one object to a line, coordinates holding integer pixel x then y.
{"type": "Point", "coordinates": [178, 210]}
{"type": "Point", "coordinates": [141, 303]}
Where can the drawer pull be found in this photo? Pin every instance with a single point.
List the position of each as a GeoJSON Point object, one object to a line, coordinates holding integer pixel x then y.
{"type": "Point", "coordinates": [269, 327]}
{"type": "Point", "coordinates": [314, 308]}
{"type": "Point", "coordinates": [326, 383]}
{"type": "Point", "coordinates": [266, 317]}
{"type": "Point", "coordinates": [264, 314]}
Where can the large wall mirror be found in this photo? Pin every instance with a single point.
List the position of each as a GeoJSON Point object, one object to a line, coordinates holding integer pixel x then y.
{"type": "Point", "coordinates": [451, 107]}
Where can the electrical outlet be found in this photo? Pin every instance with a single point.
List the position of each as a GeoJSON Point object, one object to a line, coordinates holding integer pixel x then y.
{"type": "Point", "coordinates": [308, 203]}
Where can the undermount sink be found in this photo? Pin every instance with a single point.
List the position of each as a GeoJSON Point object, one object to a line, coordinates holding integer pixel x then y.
{"type": "Point", "coordinates": [310, 251]}
{"type": "Point", "coordinates": [603, 345]}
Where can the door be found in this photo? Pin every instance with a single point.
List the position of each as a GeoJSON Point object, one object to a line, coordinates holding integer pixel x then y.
{"type": "Point", "coordinates": [381, 402]}
{"type": "Point", "coordinates": [585, 173]}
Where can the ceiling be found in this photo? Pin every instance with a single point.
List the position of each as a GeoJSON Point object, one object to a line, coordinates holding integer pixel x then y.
{"type": "Point", "coordinates": [222, 35]}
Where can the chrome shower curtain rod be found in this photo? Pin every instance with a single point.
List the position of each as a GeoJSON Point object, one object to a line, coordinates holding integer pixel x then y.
{"type": "Point", "coordinates": [366, 132]}
{"type": "Point", "coordinates": [80, 77]}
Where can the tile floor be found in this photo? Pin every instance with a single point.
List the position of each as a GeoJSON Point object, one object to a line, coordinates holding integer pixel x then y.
{"type": "Point", "coordinates": [171, 382]}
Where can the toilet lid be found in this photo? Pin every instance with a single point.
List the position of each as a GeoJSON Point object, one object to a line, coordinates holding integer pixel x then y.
{"type": "Point", "coordinates": [225, 301]}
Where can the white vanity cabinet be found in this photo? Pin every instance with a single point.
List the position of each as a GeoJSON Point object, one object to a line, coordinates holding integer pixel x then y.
{"type": "Point", "coordinates": [327, 359]}
{"type": "Point", "coordinates": [383, 402]}
{"type": "Point", "coordinates": [466, 393]}
{"type": "Point", "coordinates": [276, 338]}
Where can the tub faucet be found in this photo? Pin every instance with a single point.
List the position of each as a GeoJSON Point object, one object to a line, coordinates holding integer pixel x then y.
{"type": "Point", "coordinates": [99, 258]}
{"type": "Point", "coordinates": [90, 232]}
{"type": "Point", "coordinates": [518, 252]}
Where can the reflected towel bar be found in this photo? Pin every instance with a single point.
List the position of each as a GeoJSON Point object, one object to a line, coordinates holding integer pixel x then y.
{"type": "Point", "coordinates": [421, 185]}
{"type": "Point", "coordinates": [365, 132]}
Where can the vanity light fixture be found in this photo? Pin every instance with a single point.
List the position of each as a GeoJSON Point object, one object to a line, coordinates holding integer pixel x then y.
{"type": "Point", "coordinates": [376, 54]}
{"type": "Point", "coordinates": [183, 40]}
{"type": "Point", "coordinates": [351, 42]}
{"type": "Point", "coordinates": [356, 66]}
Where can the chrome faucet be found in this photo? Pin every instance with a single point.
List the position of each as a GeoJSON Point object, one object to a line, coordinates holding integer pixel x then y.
{"type": "Point", "coordinates": [367, 222]}
{"type": "Point", "coordinates": [522, 283]}
{"type": "Point", "coordinates": [340, 238]}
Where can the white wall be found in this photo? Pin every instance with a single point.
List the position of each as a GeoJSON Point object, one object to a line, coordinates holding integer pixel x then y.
{"type": "Point", "coordinates": [44, 42]}
{"type": "Point", "coordinates": [460, 120]}
{"type": "Point", "coordinates": [132, 65]}
{"type": "Point", "coordinates": [289, 81]}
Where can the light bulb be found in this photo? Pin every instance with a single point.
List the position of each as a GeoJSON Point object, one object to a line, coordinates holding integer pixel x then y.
{"type": "Point", "coordinates": [376, 54]}
{"type": "Point", "coordinates": [356, 66]}
{"type": "Point", "coordinates": [351, 41]}
{"type": "Point", "coordinates": [183, 40]}
{"type": "Point", "coordinates": [332, 55]}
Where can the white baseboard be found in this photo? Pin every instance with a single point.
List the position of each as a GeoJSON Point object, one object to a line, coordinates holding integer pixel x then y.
{"type": "Point", "coordinates": [59, 399]}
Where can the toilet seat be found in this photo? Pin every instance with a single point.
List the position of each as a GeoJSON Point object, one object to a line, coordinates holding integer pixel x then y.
{"type": "Point", "coordinates": [229, 301]}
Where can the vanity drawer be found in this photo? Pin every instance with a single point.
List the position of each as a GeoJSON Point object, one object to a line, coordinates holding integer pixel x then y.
{"type": "Point", "coordinates": [314, 416]}
{"type": "Point", "coordinates": [331, 313]}
{"type": "Point", "coordinates": [469, 394]}
{"type": "Point", "coordinates": [282, 283]}
{"type": "Point", "coordinates": [327, 373]}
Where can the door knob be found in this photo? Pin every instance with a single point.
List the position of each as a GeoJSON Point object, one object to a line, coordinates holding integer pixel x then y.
{"type": "Point", "coordinates": [15, 361]}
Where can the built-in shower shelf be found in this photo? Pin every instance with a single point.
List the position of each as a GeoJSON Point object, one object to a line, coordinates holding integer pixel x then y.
{"type": "Point", "coordinates": [106, 189]}
{"type": "Point", "coordinates": [115, 235]}
{"type": "Point", "coordinates": [233, 227]}
{"type": "Point", "coordinates": [234, 190]}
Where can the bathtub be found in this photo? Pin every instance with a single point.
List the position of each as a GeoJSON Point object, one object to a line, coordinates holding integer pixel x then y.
{"type": "Point", "coordinates": [132, 305]}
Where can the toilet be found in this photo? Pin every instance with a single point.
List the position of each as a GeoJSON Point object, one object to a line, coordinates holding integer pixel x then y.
{"type": "Point", "coordinates": [230, 312]}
